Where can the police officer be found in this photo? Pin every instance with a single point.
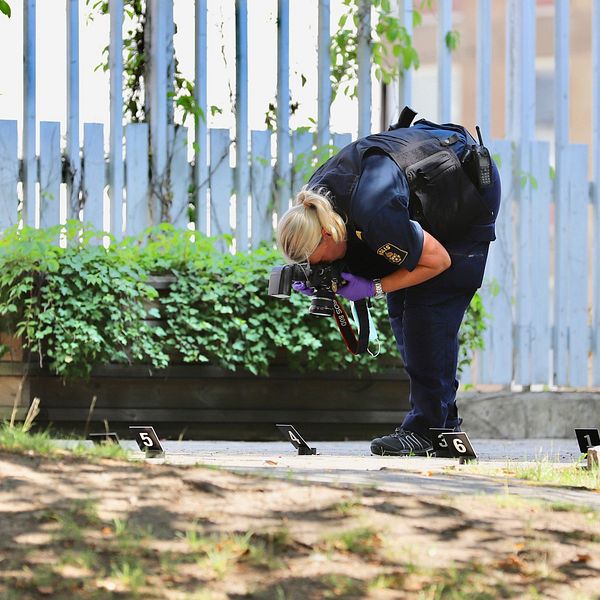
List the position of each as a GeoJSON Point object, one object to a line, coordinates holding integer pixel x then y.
{"type": "Point", "coordinates": [422, 244]}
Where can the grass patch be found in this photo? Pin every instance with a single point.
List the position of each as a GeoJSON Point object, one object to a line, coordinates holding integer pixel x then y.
{"type": "Point", "coordinates": [15, 439]}
{"type": "Point", "coordinates": [541, 471]}
{"type": "Point", "coordinates": [363, 541]}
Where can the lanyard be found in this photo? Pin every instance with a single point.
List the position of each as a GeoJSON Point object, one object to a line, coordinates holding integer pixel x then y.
{"type": "Point", "coordinates": [365, 324]}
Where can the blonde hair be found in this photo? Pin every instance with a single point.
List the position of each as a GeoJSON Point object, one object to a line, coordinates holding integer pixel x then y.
{"type": "Point", "coordinates": [299, 229]}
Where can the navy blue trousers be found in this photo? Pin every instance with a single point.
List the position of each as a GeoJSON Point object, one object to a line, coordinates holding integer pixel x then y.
{"type": "Point", "coordinates": [425, 320]}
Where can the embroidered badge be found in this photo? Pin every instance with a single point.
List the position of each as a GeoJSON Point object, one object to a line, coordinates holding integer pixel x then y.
{"type": "Point", "coordinates": [394, 254]}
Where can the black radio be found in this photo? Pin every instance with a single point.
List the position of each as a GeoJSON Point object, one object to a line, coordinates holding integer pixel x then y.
{"type": "Point", "coordinates": [482, 164]}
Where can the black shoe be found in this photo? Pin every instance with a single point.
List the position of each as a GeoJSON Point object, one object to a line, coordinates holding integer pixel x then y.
{"type": "Point", "coordinates": [401, 443]}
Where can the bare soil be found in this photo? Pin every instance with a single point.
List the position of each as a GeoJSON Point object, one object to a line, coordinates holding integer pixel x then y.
{"type": "Point", "coordinates": [71, 528]}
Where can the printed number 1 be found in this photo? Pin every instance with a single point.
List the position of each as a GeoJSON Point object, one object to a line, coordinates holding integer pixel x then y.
{"type": "Point", "coordinates": [147, 440]}
{"type": "Point", "coordinates": [459, 446]}
{"type": "Point", "coordinates": [588, 439]}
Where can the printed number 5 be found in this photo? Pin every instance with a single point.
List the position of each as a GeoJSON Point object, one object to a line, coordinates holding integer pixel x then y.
{"type": "Point", "coordinates": [460, 447]}
{"type": "Point", "coordinates": [147, 440]}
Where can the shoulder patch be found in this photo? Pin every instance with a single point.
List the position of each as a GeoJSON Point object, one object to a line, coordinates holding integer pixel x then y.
{"type": "Point", "coordinates": [394, 254]}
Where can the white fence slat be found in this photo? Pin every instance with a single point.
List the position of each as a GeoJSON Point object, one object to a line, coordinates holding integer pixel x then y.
{"type": "Point", "coordinates": [72, 134]}
{"type": "Point", "coordinates": [261, 179]}
{"type": "Point", "coordinates": [50, 174]}
{"type": "Point", "coordinates": [578, 265]}
{"type": "Point", "coordinates": [596, 185]}
{"type": "Point", "coordinates": [29, 114]}
{"type": "Point", "coordinates": [539, 262]}
{"type": "Point", "coordinates": [137, 214]}
{"type": "Point", "coordinates": [9, 174]}
{"type": "Point", "coordinates": [561, 72]}
{"type": "Point", "coordinates": [444, 61]}
{"type": "Point", "coordinates": [200, 94]}
{"type": "Point", "coordinates": [496, 363]}
{"type": "Point", "coordinates": [302, 143]}
{"type": "Point", "coordinates": [180, 180]}
{"type": "Point", "coordinates": [221, 184]}
{"type": "Point", "coordinates": [94, 173]}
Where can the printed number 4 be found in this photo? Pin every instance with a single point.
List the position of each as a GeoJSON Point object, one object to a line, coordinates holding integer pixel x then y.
{"type": "Point", "coordinates": [460, 447]}
{"type": "Point", "coordinates": [146, 439]}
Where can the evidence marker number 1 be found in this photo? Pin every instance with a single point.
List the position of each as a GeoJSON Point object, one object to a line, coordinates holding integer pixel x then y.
{"type": "Point", "coordinates": [587, 438]}
{"type": "Point", "coordinates": [147, 440]}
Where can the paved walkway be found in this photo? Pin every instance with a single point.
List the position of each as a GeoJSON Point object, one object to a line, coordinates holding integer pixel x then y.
{"type": "Point", "coordinates": [350, 463]}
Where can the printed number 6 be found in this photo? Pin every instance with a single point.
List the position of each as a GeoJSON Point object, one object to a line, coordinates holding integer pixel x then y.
{"type": "Point", "coordinates": [146, 439]}
{"type": "Point", "coordinates": [460, 447]}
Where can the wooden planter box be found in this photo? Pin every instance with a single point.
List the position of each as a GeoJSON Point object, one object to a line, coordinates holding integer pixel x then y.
{"type": "Point", "coordinates": [205, 402]}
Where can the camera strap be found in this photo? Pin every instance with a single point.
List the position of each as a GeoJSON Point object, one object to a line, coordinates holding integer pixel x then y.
{"type": "Point", "coordinates": [360, 345]}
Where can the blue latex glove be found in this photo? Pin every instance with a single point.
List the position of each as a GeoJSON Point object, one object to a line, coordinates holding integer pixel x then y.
{"type": "Point", "coordinates": [356, 288]}
{"type": "Point", "coordinates": [301, 287]}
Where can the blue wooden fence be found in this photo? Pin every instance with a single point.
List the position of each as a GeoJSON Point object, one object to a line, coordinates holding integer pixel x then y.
{"type": "Point", "coordinates": [543, 278]}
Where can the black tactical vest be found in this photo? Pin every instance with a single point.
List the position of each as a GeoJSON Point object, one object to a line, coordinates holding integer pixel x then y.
{"type": "Point", "coordinates": [443, 196]}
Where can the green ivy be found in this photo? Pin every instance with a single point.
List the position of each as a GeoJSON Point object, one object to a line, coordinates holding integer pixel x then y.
{"type": "Point", "coordinates": [5, 8]}
{"type": "Point", "coordinates": [85, 305]}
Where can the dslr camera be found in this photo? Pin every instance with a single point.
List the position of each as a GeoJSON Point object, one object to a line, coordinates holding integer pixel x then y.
{"type": "Point", "coordinates": [325, 278]}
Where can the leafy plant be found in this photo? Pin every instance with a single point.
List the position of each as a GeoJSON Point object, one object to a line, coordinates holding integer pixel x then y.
{"type": "Point", "coordinates": [86, 305]}
{"type": "Point", "coordinates": [5, 8]}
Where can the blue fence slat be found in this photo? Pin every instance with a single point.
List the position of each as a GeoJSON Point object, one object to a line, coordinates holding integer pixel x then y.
{"type": "Point", "coordinates": [596, 186]}
{"type": "Point", "coordinates": [571, 340]}
{"type": "Point", "coordinates": [200, 95]}
{"type": "Point", "coordinates": [261, 181]}
{"type": "Point", "coordinates": [73, 114]}
{"type": "Point", "coordinates": [364, 68]}
{"type": "Point", "coordinates": [29, 112]}
{"type": "Point", "coordinates": [180, 177]}
{"type": "Point", "coordinates": [137, 213]}
{"type": "Point", "coordinates": [221, 184]}
{"type": "Point", "coordinates": [302, 142]}
{"type": "Point", "coordinates": [444, 61]}
{"type": "Point", "coordinates": [9, 174]}
{"type": "Point", "coordinates": [283, 103]}
{"type": "Point", "coordinates": [539, 262]}
{"type": "Point", "coordinates": [484, 73]}
{"type": "Point", "coordinates": [50, 174]}
{"type": "Point", "coordinates": [93, 179]}
{"type": "Point", "coordinates": [496, 362]}
{"type": "Point", "coordinates": [323, 67]}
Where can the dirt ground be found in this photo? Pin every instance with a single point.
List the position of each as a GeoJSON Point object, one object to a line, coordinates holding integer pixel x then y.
{"type": "Point", "coordinates": [70, 528]}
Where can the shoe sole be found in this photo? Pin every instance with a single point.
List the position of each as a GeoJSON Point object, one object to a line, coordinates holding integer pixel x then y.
{"type": "Point", "coordinates": [426, 452]}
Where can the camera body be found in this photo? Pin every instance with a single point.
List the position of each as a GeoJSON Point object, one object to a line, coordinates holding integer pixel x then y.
{"type": "Point", "coordinates": [325, 278]}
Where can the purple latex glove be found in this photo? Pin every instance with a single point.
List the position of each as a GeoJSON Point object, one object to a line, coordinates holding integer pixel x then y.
{"type": "Point", "coordinates": [301, 287]}
{"type": "Point", "coordinates": [357, 288]}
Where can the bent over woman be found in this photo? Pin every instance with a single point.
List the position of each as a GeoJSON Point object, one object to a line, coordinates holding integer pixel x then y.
{"type": "Point", "coordinates": [412, 217]}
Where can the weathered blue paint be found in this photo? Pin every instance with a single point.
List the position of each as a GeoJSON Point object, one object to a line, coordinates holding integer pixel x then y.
{"type": "Point", "coordinates": [444, 89]}
{"type": "Point", "coordinates": [364, 68]}
{"type": "Point", "coordinates": [29, 115]}
{"type": "Point", "coordinates": [283, 105]}
{"type": "Point", "coordinates": [50, 174]}
{"type": "Point", "coordinates": [596, 189]}
{"type": "Point", "coordinates": [116, 168]}
{"type": "Point", "coordinates": [484, 71]}
{"type": "Point", "coordinates": [93, 178]}
{"type": "Point", "coordinates": [9, 173]}
{"type": "Point", "coordinates": [323, 67]}
{"type": "Point", "coordinates": [201, 135]}
{"type": "Point", "coordinates": [72, 150]}
{"type": "Point", "coordinates": [261, 184]}
{"type": "Point", "coordinates": [137, 216]}
{"type": "Point", "coordinates": [221, 185]}
{"type": "Point", "coordinates": [242, 167]}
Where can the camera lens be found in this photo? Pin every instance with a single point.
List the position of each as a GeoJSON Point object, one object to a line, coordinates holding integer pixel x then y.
{"type": "Point", "coordinates": [321, 304]}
